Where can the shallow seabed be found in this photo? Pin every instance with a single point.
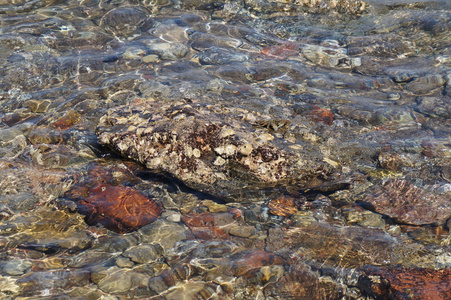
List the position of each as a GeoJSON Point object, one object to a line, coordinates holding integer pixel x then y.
{"type": "Point", "coordinates": [253, 149]}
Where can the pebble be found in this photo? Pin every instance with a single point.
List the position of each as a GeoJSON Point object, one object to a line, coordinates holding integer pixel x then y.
{"type": "Point", "coordinates": [143, 254]}
{"type": "Point", "coordinates": [116, 281]}
{"type": "Point", "coordinates": [242, 231]}
{"type": "Point", "coordinates": [123, 262]}
{"type": "Point", "coordinates": [214, 207]}
{"type": "Point", "coordinates": [163, 232]}
{"type": "Point", "coordinates": [16, 266]}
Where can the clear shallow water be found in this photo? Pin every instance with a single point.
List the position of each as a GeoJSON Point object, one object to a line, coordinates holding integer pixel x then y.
{"type": "Point", "coordinates": [357, 92]}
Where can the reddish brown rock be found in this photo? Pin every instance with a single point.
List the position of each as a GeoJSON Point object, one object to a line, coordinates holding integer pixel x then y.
{"type": "Point", "coordinates": [67, 121]}
{"type": "Point", "coordinates": [99, 173]}
{"type": "Point", "coordinates": [322, 115]}
{"type": "Point", "coordinates": [406, 203]}
{"type": "Point", "coordinates": [209, 225]}
{"type": "Point", "coordinates": [254, 260]}
{"type": "Point", "coordinates": [282, 51]}
{"type": "Point", "coordinates": [118, 208]}
{"type": "Point", "coordinates": [407, 283]}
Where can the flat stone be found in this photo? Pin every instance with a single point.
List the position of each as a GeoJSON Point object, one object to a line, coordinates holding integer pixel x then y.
{"type": "Point", "coordinates": [123, 262]}
{"type": "Point", "coordinates": [242, 231]}
{"type": "Point", "coordinates": [164, 233]}
{"type": "Point", "coordinates": [214, 207]}
{"type": "Point", "coordinates": [16, 266]}
{"type": "Point", "coordinates": [116, 281]}
{"type": "Point", "coordinates": [143, 254]}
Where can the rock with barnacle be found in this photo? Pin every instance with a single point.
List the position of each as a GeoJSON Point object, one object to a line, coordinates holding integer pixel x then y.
{"type": "Point", "coordinates": [209, 148]}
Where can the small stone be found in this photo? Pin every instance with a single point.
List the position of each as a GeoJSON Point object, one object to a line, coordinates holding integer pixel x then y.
{"type": "Point", "coordinates": [164, 233]}
{"type": "Point", "coordinates": [266, 137]}
{"type": "Point", "coordinates": [123, 262]}
{"type": "Point", "coordinates": [150, 58]}
{"type": "Point", "coordinates": [242, 231]}
{"type": "Point", "coordinates": [116, 281]}
{"type": "Point", "coordinates": [394, 230]}
{"type": "Point", "coordinates": [38, 106]}
{"type": "Point", "coordinates": [219, 161]}
{"type": "Point", "coordinates": [393, 96]}
{"type": "Point", "coordinates": [245, 149]}
{"type": "Point", "coordinates": [143, 254]}
{"type": "Point", "coordinates": [213, 206]}
{"type": "Point", "coordinates": [174, 217]}
{"type": "Point", "coordinates": [16, 267]}
{"type": "Point", "coordinates": [365, 218]}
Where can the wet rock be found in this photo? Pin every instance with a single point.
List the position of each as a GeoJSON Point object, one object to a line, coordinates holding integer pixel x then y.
{"type": "Point", "coordinates": [242, 231]}
{"type": "Point", "coordinates": [121, 281]}
{"type": "Point", "coordinates": [435, 106]}
{"type": "Point", "coordinates": [8, 286]}
{"type": "Point", "coordinates": [414, 283]}
{"type": "Point", "coordinates": [143, 254]}
{"type": "Point", "coordinates": [54, 281]}
{"type": "Point", "coordinates": [425, 84]}
{"type": "Point", "coordinates": [209, 225]}
{"type": "Point", "coordinates": [214, 207]}
{"type": "Point", "coordinates": [69, 119]}
{"type": "Point", "coordinates": [119, 208]}
{"type": "Point", "coordinates": [247, 262]}
{"type": "Point", "coordinates": [194, 290]}
{"type": "Point", "coordinates": [163, 232]}
{"type": "Point", "coordinates": [271, 6]}
{"type": "Point", "coordinates": [330, 55]}
{"type": "Point", "coordinates": [282, 51]}
{"type": "Point", "coordinates": [16, 267]}
{"type": "Point", "coordinates": [169, 278]}
{"type": "Point", "coordinates": [352, 246]}
{"type": "Point", "coordinates": [364, 218]}
{"type": "Point", "coordinates": [125, 21]}
{"type": "Point", "coordinates": [284, 206]}
{"type": "Point", "coordinates": [407, 203]}
{"type": "Point", "coordinates": [208, 153]}
{"type": "Point", "coordinates": [300, 281]}
{"type": "Point", "coordinates": [169, 51]}
{"type": "Point", "coordinates": [220, 57]}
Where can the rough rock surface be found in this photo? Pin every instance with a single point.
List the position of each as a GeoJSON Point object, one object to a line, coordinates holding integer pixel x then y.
{"type": "Point", "coordinates": [406, 203]}
{"type": "Point", "coordinates": [206, 149]}
{"type": "Point", "coordinates": [407, 283]}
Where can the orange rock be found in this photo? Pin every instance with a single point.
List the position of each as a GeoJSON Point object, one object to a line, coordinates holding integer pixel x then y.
{"type": "Point", "coordinates": [209, 225]}
{"type": "Point", "coordinates": [323, 115]}
{"type": "Point", "coordinates": [118, 208]}
{"type": "Point", "coordinates": [283, 206]}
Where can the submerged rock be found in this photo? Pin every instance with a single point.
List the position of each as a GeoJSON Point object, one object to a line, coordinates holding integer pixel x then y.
{"type": "Point", "coordinates": [407, 203]}
{"type": "Point", "coordinates": [119, 208]}
{"type": "Point", "coordinates": [406, 283]}
{"type": "Point", "coordinates": [207, 149]}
